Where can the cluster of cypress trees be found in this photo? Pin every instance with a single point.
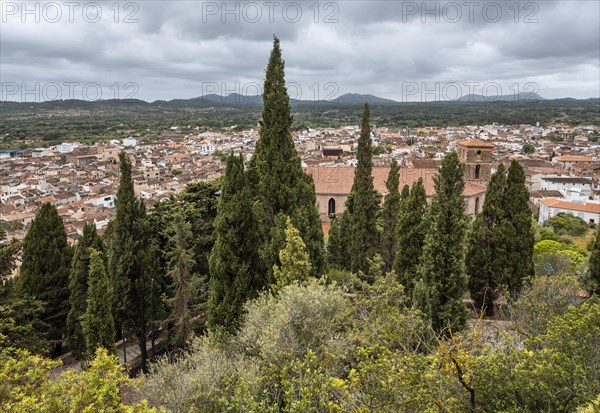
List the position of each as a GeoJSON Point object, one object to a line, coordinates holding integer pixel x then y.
{"type": "Point", "coordinates": [425, 245]}
{"type": "Point", "coordinates": [257, 205]}
{"type": "Point", "coordinates": [500, 246]}
{"type": "Point", "coordinates": [216, 245]}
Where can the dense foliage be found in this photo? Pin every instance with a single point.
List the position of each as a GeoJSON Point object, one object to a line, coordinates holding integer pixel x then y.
{"type": "Point", "coordinates": [280, 187]}
{"type": "Point", "coordinates": [443, 259]}
{"type": "Point", "coordinates": [363, 204]}
{"type": "Point", "coordinates": [312, 349]}
{"type": "Point", "coordinates": [45, 268]}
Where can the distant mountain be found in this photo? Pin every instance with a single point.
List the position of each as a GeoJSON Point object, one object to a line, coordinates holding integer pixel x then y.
{"type": "Point", "coordinates": [520, 97]}
{"type": "Point", "coordinates": [358, 99]}
{"type": "Point", "coordinates": [238, 99]}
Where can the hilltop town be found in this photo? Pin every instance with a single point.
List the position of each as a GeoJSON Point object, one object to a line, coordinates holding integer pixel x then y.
{"type": "Point", "coordinates": [562, 164]}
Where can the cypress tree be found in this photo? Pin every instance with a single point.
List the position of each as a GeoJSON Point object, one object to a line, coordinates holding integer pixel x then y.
{"type": "Point", "coordinates": [295, 262]}
{"type": "Point", "coordinates": [236, 273]}
{"type": "Point", "coordinates": [335, 257]}
{"type": "Point", "coordinates": [364, 237]}
{"type": "Point", "coordinates": [127, 261]}
{"type": "Point", "coordinates": [442, 261]}
{"type": "Point", "coordinates": [98, 325]}
{"type": "Point", "coordinates": [410, 235]}
{"type": "Point", "coordinates": [45, 268]}
{"type": "Point", "coordinates": [594, 269]}
{"type": "Point", "coordinates": [181, 262]}
{"type": "Point", "coordinates": [482, 283]}
{"type": "Point", "coordinates": [339, 241]}
{"type": "Point", "coordinates": [420, 298]}
{"type": "Point", "coordinates": [405, 192]}
{"type": "Point", "coordinates": [9, 251]}
{"type": "Point", "coordinates": [279, 183]}
{"type": "Point", "coordinates": [519, 235]}
{"type": "Point", "coordinates": [78, 285]}
{"type": "Point", "coordinates": [391, 206]}
{"type": "Point", "coordinates": [486, 259]}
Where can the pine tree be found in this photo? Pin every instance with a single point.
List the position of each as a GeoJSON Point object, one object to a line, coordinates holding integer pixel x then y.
{"type": "Point", "coordinates": [364, 236]}
{"type": "Point", "coordinates": [519, 234]}
{"type": "Point", "coordinates": [181, 263]}
{"type": "Point", "coordinates": [78, 285]}
{"type": "Point", "coordinates": [235, 268]}
{"type": "Point", "coordinates": [410, 235]}
{"type": "Point", "coordinates": [391, 206]}
{"type": "Point", "coordinates": [45, 268]}
{"type": "Point", "coordinates": [98, 324]}
{"type": "Point", "coordinates": [295, 262]}
{"type": "Point", "coordinates": [486, 260]}
{"type": "Point", "coordinates": [197, 204]}
{"type": "Point", "coordinates": [442, 261]}
{"type": "Point", "coordinates": [275, 172]}
{"type": "Point", "coordinates": [594, 269]}
{"type": "Point", "coordinates": [127, 258]}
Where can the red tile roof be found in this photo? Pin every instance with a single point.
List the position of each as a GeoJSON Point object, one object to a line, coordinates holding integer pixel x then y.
{"type": "Point", "coordinates": [572, 206]}
{"type": "Point", "coordinates": [574, 158]}
{"type": "Point", "coordinates": [475, 143]}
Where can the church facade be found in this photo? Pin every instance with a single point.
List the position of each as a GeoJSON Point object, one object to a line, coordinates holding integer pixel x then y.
{"type": "Point", "coordinates": [333, 184]}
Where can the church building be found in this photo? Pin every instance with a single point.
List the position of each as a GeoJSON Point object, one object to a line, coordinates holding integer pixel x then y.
{"type": "Point", "coordinates": [333, 184]}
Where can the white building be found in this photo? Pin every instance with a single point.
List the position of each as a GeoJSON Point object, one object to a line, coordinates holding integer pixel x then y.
{"type": "Point", "coordinates": [130, 142]}
{"type": "Point", "coordinates": [107, 201]}
{"type": "Point", "coordinates": [588, 211]}
{"type": "Point", "coordinates": [206, 147]}
{"type": "Point", "coordinates": [566, 183]}
{"type": "Point", "coordinates": [67, 147]}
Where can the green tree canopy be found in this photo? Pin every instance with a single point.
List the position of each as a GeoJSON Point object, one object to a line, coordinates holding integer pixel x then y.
{"type": "Point", "coordinates": [364, 236]}
{"type": "Point", "coordinates": [78, 286]}
{"type": "Point", "coordinates": [45, 268]}
{"type": "Point", "coordinates": [295, 262]}
{"type": "Point", "coordinates": [391, 206]}
{"type": "Point", "coordinates": [442, 261]}
{"type": "Point", "coordinates": [235, 267]}
{"type": "Point", "coordinates": [280, 186]}
{"type": "Point", "coordinates": [98, 324]}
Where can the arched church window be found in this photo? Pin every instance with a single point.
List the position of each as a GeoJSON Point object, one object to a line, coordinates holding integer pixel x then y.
{"type": "Point", "coordinates": [331, 206]}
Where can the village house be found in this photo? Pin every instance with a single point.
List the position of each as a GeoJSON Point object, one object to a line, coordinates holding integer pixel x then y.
{"type": "Point", "coordinates": [588, 211]}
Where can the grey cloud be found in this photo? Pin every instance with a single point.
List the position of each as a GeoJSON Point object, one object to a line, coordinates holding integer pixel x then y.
{"type": "Point", "coordinates": [374, 47]}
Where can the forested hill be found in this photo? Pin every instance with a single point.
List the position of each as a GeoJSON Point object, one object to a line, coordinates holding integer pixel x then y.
{"type": "Point", "coordinates": [47, 123]}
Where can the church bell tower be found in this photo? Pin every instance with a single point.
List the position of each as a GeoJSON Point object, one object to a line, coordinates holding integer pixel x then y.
{"type": "Point", "coordinates": [476, 155]}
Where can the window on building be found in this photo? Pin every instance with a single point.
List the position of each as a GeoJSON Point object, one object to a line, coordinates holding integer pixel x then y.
{"type": "Point", "coordinates": [476, 205]}
{"type": "Point", "coordinates": [477, 171]}
{"type": "Point", "coordinates": [331, 206]}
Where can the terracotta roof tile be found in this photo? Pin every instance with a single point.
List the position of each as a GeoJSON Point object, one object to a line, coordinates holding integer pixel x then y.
{"type": "Point", "coordinates": [477, 143]}
{"type": "Point", "coordinates": [574, 158]}
{"type": "Point", "coordinates": [572, 206]}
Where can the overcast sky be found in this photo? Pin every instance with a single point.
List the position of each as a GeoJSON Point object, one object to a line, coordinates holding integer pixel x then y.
{"type": "Point", "coordinates": [402, 50]}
